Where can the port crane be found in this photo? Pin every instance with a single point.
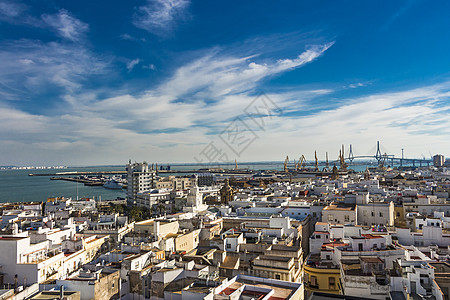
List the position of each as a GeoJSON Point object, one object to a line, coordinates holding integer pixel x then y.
{"type": "Point", "coordinates": [327, 165]}
{"type": "Point", "coordinates": [286, 161]}
{"type": "Point", "coordinates": [316, 161]}
{"type": "Point", "coordinates": [299, 165]}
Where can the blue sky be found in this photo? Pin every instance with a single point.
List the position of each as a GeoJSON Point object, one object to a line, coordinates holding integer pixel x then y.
{"type": "Point", "coordinates": [101, 82]}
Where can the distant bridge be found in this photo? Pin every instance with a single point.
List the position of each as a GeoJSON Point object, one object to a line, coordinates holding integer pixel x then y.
{"type": "Point", "coordinates": [390, 159]}
{"type": "Point", "coordinates": [385, 159]}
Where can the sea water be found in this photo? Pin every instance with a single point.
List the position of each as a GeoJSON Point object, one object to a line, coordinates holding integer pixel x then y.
{"type": "Point", "coordinates": [16, 185]}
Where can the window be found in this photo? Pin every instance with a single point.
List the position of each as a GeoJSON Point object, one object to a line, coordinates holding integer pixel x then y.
{"type": "Point", "coordinates": [330, 218]}
{"type": "Point", "coordinates": [332, 282]}
{"type": "Point", "coordinates": [346, 218]}
{"type": "Point", "coordinates": [228, 246]}
{"type": "Point", "coordinates": [360, 247]}
{"type": "Point", "coordinates": [373, 214]}
{"type": "Point", "coordinates": [313, 282]}
{"type": "Point", "coordinates": [381, 214]}
{"type": "Point", "coordinates": [365, 213]}
{"type": "Point", "coordinates": [277, 276]}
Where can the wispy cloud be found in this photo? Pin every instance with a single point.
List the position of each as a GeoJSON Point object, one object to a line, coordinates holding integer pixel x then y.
{"type": "Point", "coordinates": [355, 85]}
{"type": "Point", "coordinates": [17, 13]}
{"type": "Point", "coordinates": [160, 16]}
{"type": "Point", "coordinates": [216, 75]}
{"type": "Point", "coordinates": [66, 25]}
{"type": "Point", "coordinates": [202, 97]}
{"type": "Point", "coordinates": [150, 67]}
{"type": "Point", "coordinates": [33, 66]}
{"type": "Point", "coordinates": [398, 14]}
{"type": "Point", "coordinates": [197, 100]}
{"type": "Point", "coordinates": [132, 63]}
{"type": "Point", "coordinates": [11, 9]}
{"type": "Point", "coordinates": [128, 37]}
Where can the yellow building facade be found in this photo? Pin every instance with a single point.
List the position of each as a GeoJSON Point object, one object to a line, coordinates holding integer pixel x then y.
{"type": "Point", "coordinates": [325, 280]}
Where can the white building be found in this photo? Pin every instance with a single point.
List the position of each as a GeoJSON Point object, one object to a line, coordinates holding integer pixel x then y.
{"type": "Point", "coordinates": [375, 214]}
{"type": "Point", "coordinates": [339, 214]}
{"type": "Point", "coordinates": [430, 235]}
{"type": "Point", "coordinates": [27, 263]}
{"type": "Point", "coordinates": [85, 204]}
{"type": "Point", "coordinates": [195, 200]}
{"type": "Point", "coordinates": [140, 179]}
{"type": "Point", "coordinates": [152, 197]}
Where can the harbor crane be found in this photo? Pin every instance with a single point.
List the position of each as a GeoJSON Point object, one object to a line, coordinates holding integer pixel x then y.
{"type": "Point", "coordinates": [299, 165]}
{"type": "Point", "coordinates": [327, 165]}
{"type": "Point", "coordinates": [286, 161]}
{"type": "Point", "coordinates": [316, 161]}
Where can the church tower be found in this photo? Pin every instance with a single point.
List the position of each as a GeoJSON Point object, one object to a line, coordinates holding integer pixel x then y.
{"type": "Point", "coordinates": [226, 193]}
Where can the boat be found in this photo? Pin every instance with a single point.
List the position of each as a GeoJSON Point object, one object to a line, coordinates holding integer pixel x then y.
{"type": "Point", "coordinates": [113, 184]}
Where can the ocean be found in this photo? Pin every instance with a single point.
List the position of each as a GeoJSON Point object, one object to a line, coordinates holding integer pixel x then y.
{"type": "Point", "coordinates": [17, 186]}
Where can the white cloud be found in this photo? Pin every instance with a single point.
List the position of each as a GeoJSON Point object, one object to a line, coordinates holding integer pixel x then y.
{"type": "Point", "coordinates": [132, 63]}
{"type": "Point", "coordinates": [126, 36]}
{"type": "Point", "coordinates": [150, 122]}
{"type": "Point", "coordinates": [26, 61]}
{"type": "Point", "coordinates": [355, 85]}
{"type": "Point", "coordinates": [10, 9]}
{"type": "Point", "coordinates": [175, 120]}
{"type": "Point", "coordinates": [66, 25]}
{"type": "Point", "coordinates": [216, 76]}
{"type": "Point", "coordinates": [33, 66]}
{"type": "Point", "coordinates": [150, 67]}
{"type": "Point", "coordinates": [159, 16]}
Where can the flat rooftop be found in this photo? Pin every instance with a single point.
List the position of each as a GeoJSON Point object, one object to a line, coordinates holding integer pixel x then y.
{"type": "Point", "coordinates": [11, 238]}
{"type": "Point", "coordinates": [281, 292]}
{"type": "Point", "coordinates": [339, 207]}
{"type": "Point", "coordinates": [54, 295]}
{"type": "Point", "coordinates": [277, 258]}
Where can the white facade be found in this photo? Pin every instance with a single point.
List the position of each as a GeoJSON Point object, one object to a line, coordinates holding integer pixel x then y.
{"type": "Point", "coordinates": [83, 205]}
{"type": "Point", "coordinates": [430, 235]}
{"type": "Point", "coordinates": [32, 263]}
{"type": "Point", "coordinates": [339, 216]}
{"type": "Point", "coordinates": [195, 200]}
{"type": "Point", "coordinates": [140, 179]}
{"type": "Point", "coordinates": [231, 241]}
{"type": "Point", "coordinates": [375, 214]}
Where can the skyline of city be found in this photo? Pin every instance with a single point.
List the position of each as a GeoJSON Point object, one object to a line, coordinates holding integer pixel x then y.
{"type": "Point", "coordinates": [163, 81]}
{"type": "Point", "coordinates": [192, 150]}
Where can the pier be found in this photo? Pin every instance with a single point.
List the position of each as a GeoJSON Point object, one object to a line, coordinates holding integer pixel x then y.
{"type": "Point", "coordinates": [100, 173]}
{"type": "Point", "coordinates": [97, 173]}
{"type": "Point", "coordinates": [84, 181]}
